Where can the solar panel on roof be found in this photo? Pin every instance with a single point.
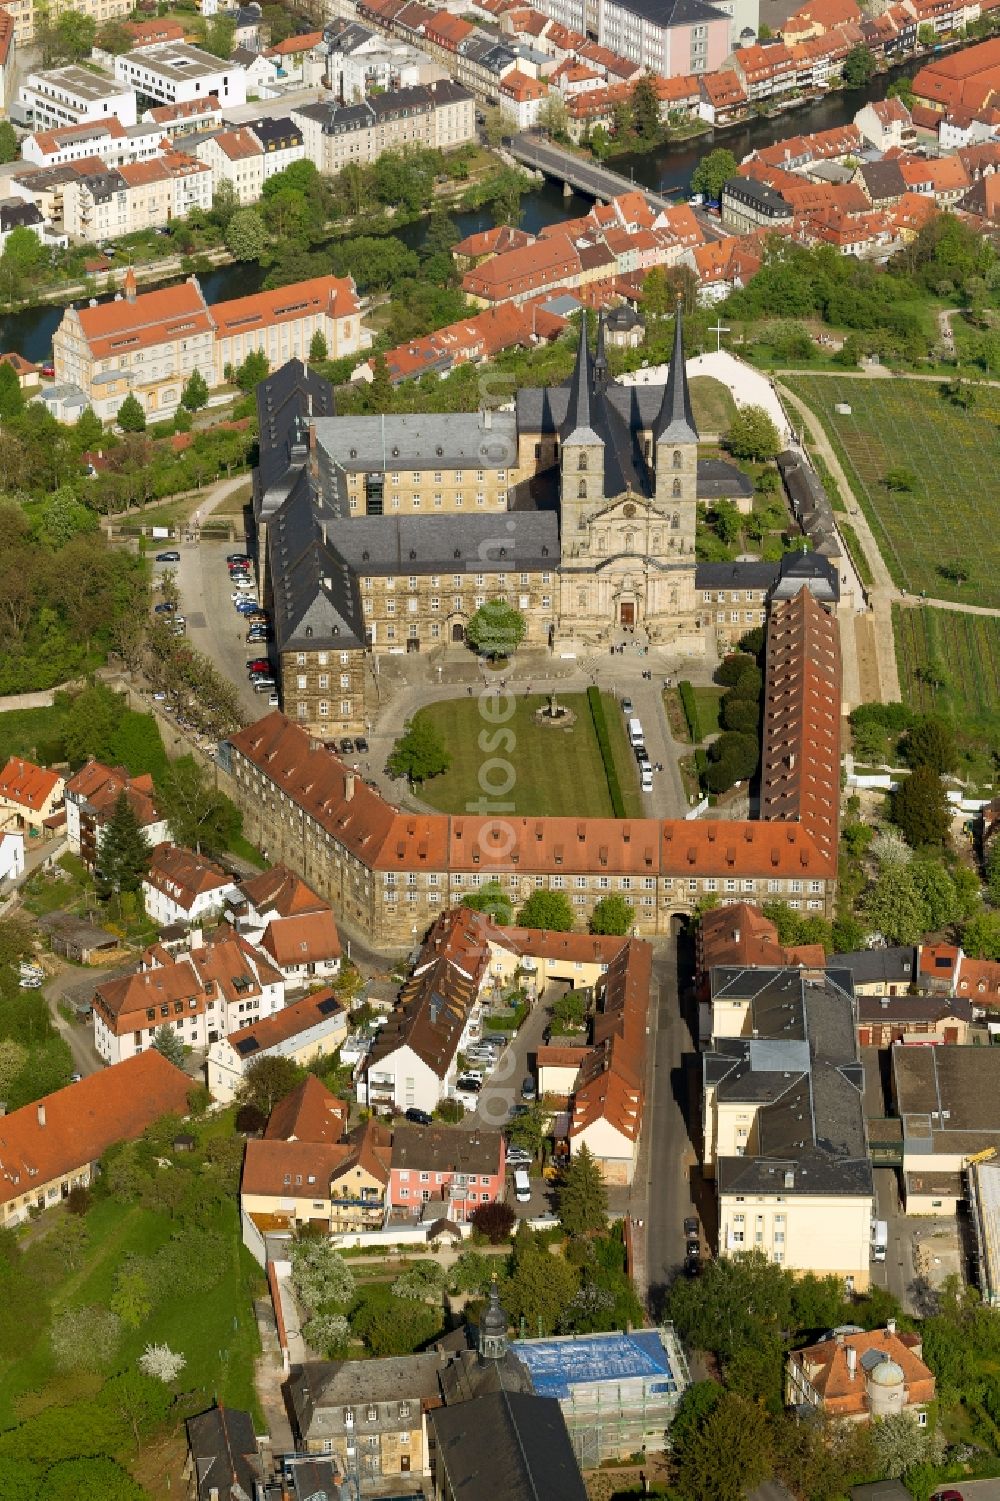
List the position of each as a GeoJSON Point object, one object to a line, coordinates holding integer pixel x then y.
{"type": "Point", "coordinates": [325, 1007]}
{"type": "Point", "coordinates": [247, 1046]}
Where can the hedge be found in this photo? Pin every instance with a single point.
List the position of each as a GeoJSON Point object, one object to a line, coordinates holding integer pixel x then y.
{"type": "Point", "coordinates": [690, 707]}
{"type": "Point", "coordinates": [604, 743]}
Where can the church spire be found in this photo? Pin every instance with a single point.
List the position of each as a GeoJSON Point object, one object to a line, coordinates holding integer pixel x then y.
{"type": "Point", "coordinates": [675, 423]}
{"type": "Point", "coordinates": [601, 373]}
{"type": "Point", "coordinates": [581, 382]}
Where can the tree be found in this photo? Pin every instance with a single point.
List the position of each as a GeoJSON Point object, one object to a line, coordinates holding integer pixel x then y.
{"type": "Point", "coordinates": [200, 816]}
{"type": "Point", "coordinates": [926, 35]}
{"type": "Point", "coordinates": [737, 1301]}
{"type": "Point", "coordinates": [246, 237]}
{"type": "Point", "coordinates": [902, 89]}
{"type": "Point", "coordinates": [131, 417]}
{"type": "Point", "coordinates": [140, 1400]}
{"type": "Point", "coordinates": [472, 1272]}
{"type": "Point", "coordinates": [327, 1334]}
{"type": "Point", "coordinates": [396, 1327]}
{"type": "Point", "coordinates": [540, 1286]}
{"type": "Point", "coordinates": [583, 1197]}
{"type": "Point", "coordinates": [900, 1445]}
{"type": "Point", "coordinates": [195, 393]}
{"type": "Point", "coordinates": [570, 1010]}
{"type": "Point", "coordinates": [549, 910]}
{"type": "Point", "coordinates": [10, 148]}
{"type": "Point", "coordinates": [162, 1363]}
{"type": "Point", "coordinates": [318, 349]}
{"type": "Point", "coordinates": [425, 1280]}
{"type": "Point", "coordinates": [493, 899]}
{"type": "Point", "coordinates": [419, 753]}
{"type": "Point", "coordinates": [267, 1081]}
{"type": "Point", "coordinates": [894, 907]}
{"type": "Point", "coordinates": [115, 37]}
{"type": "Point", "coordinates": [123, 853]}
{"type": "Point", "coordinates": [752, 435]}
{"type": "Point", "coordinates": [253, 370]}
{"type": "Point", "coordinates": [85, 1338]}
{"type": "Point", "coordinates": [11, 395]}
{"type": "Point", "coordinates": [168, 1043]}
{"type": "Point", "coordinates": [612, 914]}
{"type": "Point", "coordinates": [553, 116]}
{"type": "Point", "coordinates": [320, 1275]}
{"type": "Point", "coordinates": [727, 1455]}
{"type": "Point", "coordinates": [529, 1129]}
{"type": "Point", "coordinates": [63, 517]}
{"type": "Point", "coordinates": [958, 571]}
{"type": "Point", "coordinates": [498, 126]}
{"type": "Point", "coordinates": [981, 936]}
{"type": "Point", "coordinates": [95, 1479]}
{"type": "Point", "coordinates": [900, 480]}
{"type": "Point", "coordinates": [507, 199]}
{"type": "Point", "coordinates": [496, 629]}
{"type": "Point", "coordinates": [936, 889]}
{"type": "Point", "coordinates": [495, 1220]}
{"type": "Point", "coordinates": [133, 1297]}
{"type": "Point", "coordinates": [442, 233]}
{"type": "Point", "coordinates": [859, 66]}
{"type": "Point", "coordinates": [712, 172]}
{"type": "Point", "coordinates": [931, 742]}
{"type": "Point", "coordinates": [219, 36]}
{"type": "Point", "coordinates": [920, 808]}
{"type": "Point", "coordinates": [646, 109]}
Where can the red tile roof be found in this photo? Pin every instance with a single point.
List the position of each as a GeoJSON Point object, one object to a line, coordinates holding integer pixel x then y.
{"type": "Point", "coordinates": [6, 36]}
{"type": "Point", "coordinates": [28, 785]}
{"type": "Point", "coordinates": [308, 939]}
{"type": "Point", "coordinates": [293, 45]}
{"type": "Point", "coordinates": [310, 1113]}
{"type": "Point", "coordinates": [334, 295]}
{"type": "Point", "coordinates": [183, 875]}
{"type": "Point", "coordinates": [166, 114]}
{"type": "Point", "coordinates": [969, 78]}
{"type": "Point", "coordinates": [298, 1016]}
{"type": "Point", "coordinates": [114, 328]}
{"type": "Point", "coordinates": [281, 891]}
{"type": "Point", "coordinates": [123, 1003]}
{"type": "Point", "coordinates": [742, 935]}
{"type": "Point", "coordinates": [842, 1394]}
{"type": "Point", "coordinates": [84, 1119]}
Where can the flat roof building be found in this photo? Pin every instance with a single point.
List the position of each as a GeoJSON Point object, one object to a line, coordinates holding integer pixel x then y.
{"type": "Point", "coordinates": [176, 73]}
{"type": "Point", "coordinates": [75, 95]}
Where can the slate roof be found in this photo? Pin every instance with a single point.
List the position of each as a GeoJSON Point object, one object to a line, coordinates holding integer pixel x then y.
{"type": "Point", "coordinates": [870, 966]}
{"type": "Point", "coordinates": [526, 1441]}
{"type": "Point", "coordinates": [676, 423]}
{"type": "Point", "coordinates": [801, 1066]}
{"type": "Point", "coordinates": [285, 401]}
{"type": "Point", "coordinates": [744, 575]}
{"type": "Point", "coordinates": [446, 1149]}
{"type": "Point", "coordinates": [420, 440]}
{"type": "Point", "coordinates": [720, 480]}
{"type": "Point", "coordinates": [224, 1451]}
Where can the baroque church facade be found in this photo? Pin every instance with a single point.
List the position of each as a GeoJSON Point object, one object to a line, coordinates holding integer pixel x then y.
{"type": "Point", "coordinates": [384, 534]}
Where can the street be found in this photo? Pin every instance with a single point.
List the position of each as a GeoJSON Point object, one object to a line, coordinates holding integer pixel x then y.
{"type": "Point", "coordinates": [72, 983]}
{"type": "Point", "coordinates": [502, 1090]}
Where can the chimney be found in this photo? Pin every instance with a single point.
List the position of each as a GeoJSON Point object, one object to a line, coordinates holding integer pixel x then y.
{"type": "Point", "coordinates": [41, 1112]}
{"type": "Point", "coordinates": [890, 1326]}
{"type": "Point", "coordinates": [348, 786]}
{"type": "Point", "coordinates": [789, 1177]}
{"type": "Point", "coordinates": [852, 1362]}
{"type": "Point", "coordinates": [736, 935]}
{"type": "Point", "coordinates": [129, 285]}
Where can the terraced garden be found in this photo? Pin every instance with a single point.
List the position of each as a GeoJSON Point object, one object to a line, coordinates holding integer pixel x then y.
{"type": "Point", "coordinates": [949, 664]}
{"type": "Point", "coordinates": [944, 504]}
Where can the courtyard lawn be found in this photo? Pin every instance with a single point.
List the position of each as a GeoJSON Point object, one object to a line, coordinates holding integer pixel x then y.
{"type": "Point", "coordinates": [949, 664]}
{"type": "Point", "coordinates": [709, 699]}
{"type": "Point", "coordinates": [948, 517]}
{"type": "Point", "coordinates": [712, 403]}
{"type": "Point", "coordinates": [555, 771]}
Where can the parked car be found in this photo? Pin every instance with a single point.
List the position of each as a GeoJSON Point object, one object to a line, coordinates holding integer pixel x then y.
{"type": "Point", "coordinates": [274, 701]}
{"type": "Point", "coordinates": [166, 607]}
{"type": "Point", "coordinates": [237, 557]}
{"type": "Point", "coordinates": [49, 371]}
{"type": "Point", "coordinates": [260, 662]}
{"type": "Point", "coordinates": [518, 1157]}
{"type": "Point", "coordinates": [529, 1089]}
{"type": "Point", "coordinates": [168, 557]}
{"type": "Point", "coordinates": [75, 1078]}
{"type": "Point", "coordinates": [469, 1085]}
{"type": "Point", "coordinates": [361, 745]}
{"type": "Point", "coordinates": [419, 1117]}
{"type": "Point", "coordinates": [691, 1227]}
{"type": "Point", "coordinates": [30, 982]}
{"type": "Point", "coordinates": [627, 708]}
{"type": "Point", "coordinates": [347, 746]}
{"type": "Point", "coordinates": [264, 685]}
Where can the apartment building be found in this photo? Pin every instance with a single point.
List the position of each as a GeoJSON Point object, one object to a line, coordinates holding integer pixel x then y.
{"type": "Point", "coordinates": [182, 886]}
{"type": "Point", "coordinates": [92, 794]}
{"type": "Point", "coordinates": [860, 1376]}
{"type": "Point", "coordinates": [307, 1029]}
{"type": "Point", "coordinates": [293, 926]}
{"type": "Point", "coordinates": [204, 991]}
{"type": "Point", "coordinates": [113, 143]}
{"type": "Point", "coordinates": [669, 40]}
{"type": "Point", "coordinates": [53, 1146]}
{"type": "Point", "coordinates": [178, 73]}
{"type": "Point", "coordinates": [283, 323]}
{"type": "Point", "coordinates": [235, 156]}
{"type": "Point", "coordinates": [338, 1187]}
{"type": "Point", "coordinates": [74, 95]}
{"type": "Point", "coordinates": [437, 115]}
{"type": "Point", "coordinates": [280, 142]}
{"type": "Point", "coordinates": [101, 206]}
{"type": "Point", "coordinates": [445, 1173]}
{"type": "Point", "coordinates": [784, 1121]}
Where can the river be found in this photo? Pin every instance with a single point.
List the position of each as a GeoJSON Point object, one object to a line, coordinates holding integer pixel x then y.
{"type": "Point", "coordinates": [667, 170]}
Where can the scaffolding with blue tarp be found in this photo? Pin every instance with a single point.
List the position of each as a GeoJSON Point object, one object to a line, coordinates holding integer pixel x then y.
{"type": "Point", "coordinates": [618, 1392]}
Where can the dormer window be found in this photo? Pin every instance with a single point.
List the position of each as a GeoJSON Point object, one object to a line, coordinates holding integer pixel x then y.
{"type": "Point", "coordinates": [583, 462]}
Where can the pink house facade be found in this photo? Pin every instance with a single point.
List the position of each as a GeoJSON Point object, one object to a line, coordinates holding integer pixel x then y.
{"type": "Point", "coordinates": [444, 1173]}
{"type": "Point", "coordinates": [650, 36]}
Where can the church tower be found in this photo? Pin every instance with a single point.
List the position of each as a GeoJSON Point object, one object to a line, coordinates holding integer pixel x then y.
{"type": "Point", "coordinates": [493, 1327]}
{"type": "Point", "coordinates": [581, 449]}
{"type": "Point", "coordinates": [675, 440]}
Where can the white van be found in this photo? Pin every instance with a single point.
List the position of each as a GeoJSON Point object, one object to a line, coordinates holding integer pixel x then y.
{"type": "Point", "coordinates": [646, 779]}
{"type": "Point", "coordinates": [635, 734]}
{"type": "Point", "coordinates": [880, 1239]}
{"type": "Point", "coordinates": [522, 1186]}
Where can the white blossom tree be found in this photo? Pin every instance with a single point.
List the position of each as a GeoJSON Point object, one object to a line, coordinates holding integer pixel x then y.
{"type": "Point", "coordinates": [327, 1333]}
{"type": "Point", "coordinates": [320, 1275]}
{"type": "Point", "coordinates": [162, 1362]}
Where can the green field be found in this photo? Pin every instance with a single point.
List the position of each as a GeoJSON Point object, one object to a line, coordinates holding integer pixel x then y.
{"type": "Point", "coordinates": [555, 771]}
{"type": "Point", "coordinates": [949, 664]}
{"type": "Point", "coordinates": [709, 699]}
{"type": "Point", "coordinates": [712, 403]}
{"type": "Point", "coordinates": [954, 455]}
{"type": "Point", "coordinates": [35, 733]}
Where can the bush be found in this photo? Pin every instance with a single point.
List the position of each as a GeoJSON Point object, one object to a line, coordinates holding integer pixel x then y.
{"type": "Point", "coordinates": [740, 714]}
{"type": "Point", "coordinates": [732, 668]}
{"type": "Point", "coordinates": [690, 706]}
{"type": "Point", "coordinates": [495, 1221]}
{"type": "Point", "coordinates": [604, 744]}
{"type": "Point", "coordinates": [250, 1120]}
{"type": "Point", "coordinates": [78, 1200]}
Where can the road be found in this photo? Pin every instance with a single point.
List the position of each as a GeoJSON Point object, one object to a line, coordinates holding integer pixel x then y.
{"type": "Point", "coordinates": [79, 984]}
{"type": "Point", "coordinates": [586, 176]}
{"type": "Point", "coordinates": [669, 1159]}
{"type": "Point", "coordinates": [502, 1090]}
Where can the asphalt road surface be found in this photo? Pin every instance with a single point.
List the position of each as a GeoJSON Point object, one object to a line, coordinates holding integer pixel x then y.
{"type": "Point", "coordinates": [213, 626]}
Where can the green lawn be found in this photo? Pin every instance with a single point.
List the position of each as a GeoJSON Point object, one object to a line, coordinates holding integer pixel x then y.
{"type": "Point", "coordinates": [709, 699]}
{"type": "Point", "coordinates": [949, 516]}
{"type": "Point", "coordinates": [963, 655]}
{"type": "Point", "coordinates": [553, 771]}
{"type": "Point", "coordinates": [35, 733]}
{"type": "Point", "coordinates": [712, 403]}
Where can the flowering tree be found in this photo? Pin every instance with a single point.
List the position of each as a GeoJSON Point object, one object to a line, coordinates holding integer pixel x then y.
{"type": "Point", "coordinates": [162, 1362]}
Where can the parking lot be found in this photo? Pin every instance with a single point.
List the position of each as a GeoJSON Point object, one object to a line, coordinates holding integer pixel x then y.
{"type": "Point", "coordinates": [213, 625]}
